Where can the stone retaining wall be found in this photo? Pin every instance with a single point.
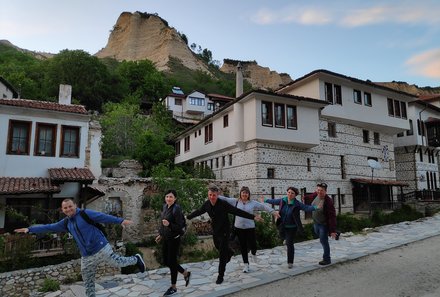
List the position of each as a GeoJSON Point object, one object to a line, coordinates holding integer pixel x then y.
{"type": "Point", "coordinates": [21, 283]}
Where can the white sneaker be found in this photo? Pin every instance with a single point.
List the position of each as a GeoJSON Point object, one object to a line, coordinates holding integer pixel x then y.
{"type": "Point", "coordinates": [254, 258]}
{"type": "Point", "coordinates": [246, 268]}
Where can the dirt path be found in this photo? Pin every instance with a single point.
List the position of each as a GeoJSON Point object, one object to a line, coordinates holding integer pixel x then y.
{"type": "Point", "coordinates": [408, 271]}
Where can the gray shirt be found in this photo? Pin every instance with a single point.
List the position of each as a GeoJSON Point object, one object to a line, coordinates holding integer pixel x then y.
{"type": "Point", "coordinates": [249, 206]}
{"type": "Point", "coordinates": [318, 215]}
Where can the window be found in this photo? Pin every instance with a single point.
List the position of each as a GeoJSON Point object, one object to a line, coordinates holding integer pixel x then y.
{"type": "Point", "coordinates": [271, 173]}
{"type": "Point", "coordinates": [376, 136]}
{"type": "Point", "coordinates": [367, 99]}
{"type": "Point", "coordinates": [210, 164]}
{"type": "Point", "coordinates": [225, 121]}
{"type": "Point", "coordinates": [210, 106]}
{"type": "Point", "coordinates": [338, 94]}
{"type": "Point", "coordinates": [266, 113]}
{"type": "Point", "coordinates": [366, 136]}
{"type": "Point", "coordinates": [397, 109]}
{"type": "Point", "coordinates": [69, 141]}
{"type": "Point", "coordinates": [328, 92]}
{"type": "Point", "coordinates": [357, 97]}
{"type": "Point", "coordinates": [186, 144]}
{"type": "Point", "coordinates": [309, 165]}
{"type": "Point", "coordinates": [420, 127]}
{"type": "Point", "coordinates": [197, 101]}
{"type": "Point", "coordinates": [45, 140]}
{"type": "Point", "coordinates": [177, 101]}
{"type": "Point", "coordinates": [403, 109]}
{"type": "Point", "coordinates": [230, 160]}
{"type": "Point", "coordinates": [216, 162]}
{"type": "Point", "coordinates": [390, 107]}
{"type": "Point", "coordinates": [195, 134]}
{"type": "Point", "coordinates": [343, 175]}
{"type": "Point", "coordinates": [200, 132]}
{"type": "Point", "coordinates": [208, 133]}
{"type": "Point", "coordinates": [177, 148]}
{"type": "Point", "coordinates": [411, 128]}
{"type": "Point", "coordinates": [19, 137]}
{"type": "Point", "coordinates": [279, 116]}
{"type": "Point", "coordinates": [223, 161]}
{"type": "Point", "coordinates": [291, 117]}
{"type": "Point", "coordinates": [331, 129]}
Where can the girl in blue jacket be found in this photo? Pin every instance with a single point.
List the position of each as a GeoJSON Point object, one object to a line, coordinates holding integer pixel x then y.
{"type": "Point", "coordinates": [290, 221]}
{"type": "Point", "coordinates": [92, 243]}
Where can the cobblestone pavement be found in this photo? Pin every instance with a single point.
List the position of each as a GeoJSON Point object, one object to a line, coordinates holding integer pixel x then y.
{"type": "Point", "coordinates": [270, 265]}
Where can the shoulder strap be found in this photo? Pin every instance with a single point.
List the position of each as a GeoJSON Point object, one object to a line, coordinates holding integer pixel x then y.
{"type": "Point", "coordinates": [233, 220]}
{"type": "Point", "coordinates": [86, 217]}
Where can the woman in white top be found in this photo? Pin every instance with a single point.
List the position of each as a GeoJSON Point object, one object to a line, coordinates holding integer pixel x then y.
{"type": "Point", "coordinates": [245, 228]}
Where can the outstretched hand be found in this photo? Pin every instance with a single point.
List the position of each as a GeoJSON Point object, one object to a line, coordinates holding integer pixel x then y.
{"type": "Point", "coordinates": [276, 214]}
{"type": "Point", "coordinates": [258, 218]}
{"type": "Point", "coordinates": [261, 199]}
{"type": "Point", "coordinates": [22, 230]}
{"type": "Point", "coordinates": [125, 223]}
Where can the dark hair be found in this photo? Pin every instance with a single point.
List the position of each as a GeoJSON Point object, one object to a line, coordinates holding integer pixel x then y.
{"type": "Point", "coordinates": [322, 185]}
{"type": "Point", "coordinates": [172, 192]}
{"type": "Point", "coordinates": [245, 189]}
{"type": "Point", "coordinates": [213, 188]}
{"type": "Point", "coordinates": [293, 189]}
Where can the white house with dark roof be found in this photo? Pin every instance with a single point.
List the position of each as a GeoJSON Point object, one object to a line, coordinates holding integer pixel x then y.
{"type": "Point", "coordinates": [48, 151]}
{"type": "Point", "coordinates": [323, 126]}
{"type": "Point", "coordinates": [7, 91]}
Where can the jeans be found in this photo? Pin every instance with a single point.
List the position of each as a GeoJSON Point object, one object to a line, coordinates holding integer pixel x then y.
{"type": "Point", "coordinates": [322, 232]}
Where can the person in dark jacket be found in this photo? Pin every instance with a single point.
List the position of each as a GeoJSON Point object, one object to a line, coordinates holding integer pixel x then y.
{"type": "Point", "coordinates": [218, 211]}
{"type": "Point", "coordinates": [290, 222]}
{"type": "Point", "coordinates": [324, 219]}
{"type": "Point", "coordinates": [170, 231]}
{"type": "Point", "coordinates": [93, 245]}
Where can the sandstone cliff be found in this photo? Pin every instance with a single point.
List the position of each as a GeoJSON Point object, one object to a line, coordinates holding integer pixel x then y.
{"type": "Point", "coordinates": [411, 89]}
{"type": "Point", "coordinates": [259, 77]}
{"type": "Point", "coordinates": [140, 36]}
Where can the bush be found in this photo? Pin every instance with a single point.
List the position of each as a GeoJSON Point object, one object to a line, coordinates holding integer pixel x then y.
{"type": "Point", "coordinates": [347, 222]}
{"type": "Point", "coordinates": [266, 233]}
{"type": "Point", "coordinates": [50, 285]}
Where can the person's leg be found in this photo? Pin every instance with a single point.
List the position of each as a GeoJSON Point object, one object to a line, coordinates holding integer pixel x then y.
{"type": "Point", "coordinates": [88, 272]}
{"type": "Point", "coordinates": [173, 249]}
{"type": "Point", "coordinates": [115, 259]}
{"type": "Point", "coordinates": [290, 234]}
{"type": "Point", "coordinates": [322, 232]}
{"type": "Point", "coordinates": [221, 242]}
{"type": "Point", "coordinates": [252, 240]}
{"type": "Point", "coordinates": [241, 234]}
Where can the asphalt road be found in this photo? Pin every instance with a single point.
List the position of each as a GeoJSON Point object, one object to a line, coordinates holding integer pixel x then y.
{"type": "Point", "coordinates": [411, 270]}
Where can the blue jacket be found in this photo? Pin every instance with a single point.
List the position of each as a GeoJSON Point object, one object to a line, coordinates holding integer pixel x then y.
{"type": "Point", "coordinates": [89, 239]}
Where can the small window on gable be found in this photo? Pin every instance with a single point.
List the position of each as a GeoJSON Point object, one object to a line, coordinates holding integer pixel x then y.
{"type": "Point", "coordinates": [225, 121]}
{"type": "Point", "coordinates": [177, 101]}
{"type": "Point", "coordinates": [328, 92]}
{"type": "Point", "coordinates": [177, 147]}
{"type": "Point", "coordinates": [187, 144]}
{"type": "Point", "coordinates": [367, 99]}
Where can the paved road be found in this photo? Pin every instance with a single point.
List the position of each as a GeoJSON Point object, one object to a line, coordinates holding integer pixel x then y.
{"type": "Point", "coordinates": [411, 270]}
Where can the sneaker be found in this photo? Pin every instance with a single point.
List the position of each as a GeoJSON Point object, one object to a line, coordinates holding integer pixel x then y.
{"type": "Point", "coordinates": [140, 263]}
{"type": "Point", "coordinates": [254, 258]}
{"type": "Point", "coordinates": [170, 291]}
{"type": "Point", "coordinates": [246, 267]}
{"type": "Point", "coordinates": [323, 262]}
{"type": "Point", "coordinates": [187, 278]}
{"type": "Point", "coordinates": [290, 265]}
{"type": "Point", "coordinates": [338, 234]}
{"type": "Point", "coordinates": [219, 280]}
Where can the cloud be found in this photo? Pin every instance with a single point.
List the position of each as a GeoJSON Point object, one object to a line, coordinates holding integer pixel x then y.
{"type": "Point", "coordinates": [406, 12]}
{"type": "Point", "coordinates": [426, 64]}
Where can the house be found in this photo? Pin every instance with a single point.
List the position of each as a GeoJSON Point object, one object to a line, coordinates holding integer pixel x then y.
{"type": "Point", "coordinates": [323, 126]}
{"type": "Point", "coordinates": [7, 91]}
{"type": "Point", "coordinates": [192, 108]}
{"type": "Point", "coordinates": [417, 149]}
{"type": "Point", "coordinates": [48, 151]}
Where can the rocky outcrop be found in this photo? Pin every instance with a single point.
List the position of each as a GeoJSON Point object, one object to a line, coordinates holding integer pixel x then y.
{"type": "Point", "coordinates": [259, 77]}
{"type": "Point", "coordinates": [139, 36]}
{"type": "Point", "coordinates": [411, 89]}
{"type": "Point", "coordinates": [38, 55]}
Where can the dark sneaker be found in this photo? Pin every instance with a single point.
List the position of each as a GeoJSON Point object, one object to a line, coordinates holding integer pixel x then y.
{"type": "Point", "coordinates": [140, 263]}
{"type": "Point", "coordinates": [324, 262]}
{"type": "Point", "coordinates": [187, 278]}
{"type": "Point", "coordinates": [219, 280]}
{"type": "Point", "coordinates": [338, 234]}
{"type": "Point", "coordinates": [170, 291]}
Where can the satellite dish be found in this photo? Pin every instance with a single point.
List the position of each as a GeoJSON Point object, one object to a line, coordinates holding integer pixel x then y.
{"type": "Point", "coordinates": [374, 164]}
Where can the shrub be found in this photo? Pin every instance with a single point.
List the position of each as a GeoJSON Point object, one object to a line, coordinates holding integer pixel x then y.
{"type": "Point", "coordinates": [266, 233]}
{"type": "Point", "coordinates": [49, 285]}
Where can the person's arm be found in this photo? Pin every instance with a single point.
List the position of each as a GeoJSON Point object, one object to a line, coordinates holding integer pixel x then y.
{"type": "Point", "coordinates": [238, 212]}
{"type": "Point", "coordinates": [307, 208]}
{"type": "Point", "coordinates": [178, 217]}
{"type": "Point", "coordinates": [331, 216]}
{"type": "Point", "coordinates": [197, 212]}
{"type": "Point", "coordinates": [262, 207]}
{"type": "Point", "coordinates": [100, 217]}
{"type": "Point", "coordinates": [55, 227]}
{"type": "Point", "coordinates": [232, 201]}
{"type": "Point", "coordinates": [272, 201]}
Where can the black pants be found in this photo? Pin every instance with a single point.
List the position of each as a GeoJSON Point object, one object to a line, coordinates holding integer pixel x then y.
{"type": "Point", "coordinates": [248, 242]}
{"type": "Point", "coordinates": [221, 243]}
{"type": "Point", "coordinates": [290, 236]}
{"type": "Point", "coordinates": [170, 249]}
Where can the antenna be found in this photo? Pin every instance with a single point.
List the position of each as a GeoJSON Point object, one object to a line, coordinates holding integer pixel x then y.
{"type": "Point", "coordinates": [374, 165]}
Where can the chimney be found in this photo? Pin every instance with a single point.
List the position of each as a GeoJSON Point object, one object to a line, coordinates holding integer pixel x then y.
{"type": "Point", "coordinates": [239, 81]}
{"type": "Point", "coordinates": [65, 95]}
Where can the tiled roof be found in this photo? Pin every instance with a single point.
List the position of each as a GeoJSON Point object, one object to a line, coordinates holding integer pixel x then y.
{"type": "Point", "coordinates": [379, 182]}
{"type": "Point", "coordinates": [46, 105]}
{"type": "Point", "coordinates": [218, 96]}
{"type": "Point", "coordinates": [24, 185]}
{"type": "Point", "coordinates": [71, 174]}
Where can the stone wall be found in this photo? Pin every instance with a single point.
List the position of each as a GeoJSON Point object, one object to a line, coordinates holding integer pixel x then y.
{"type": "Point", "coordinates": [21, 283]}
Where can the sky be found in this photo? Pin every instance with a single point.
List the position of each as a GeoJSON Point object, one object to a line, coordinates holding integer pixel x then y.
{"type": "Point", "coordinates": [387, 40]}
